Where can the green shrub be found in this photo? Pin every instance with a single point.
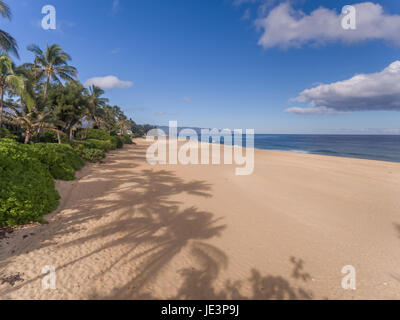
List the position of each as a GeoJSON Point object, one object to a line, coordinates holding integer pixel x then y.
{"type": "Point", "coordinates": [98, 134]}
{"type": "Point", "coordinates": [5, 133]}
{"type": "Point", "coordinates": [60, 159]}
{"type": "Point", "coordinates": [48, 137]}
{"type": "Point", "coordinates": [90, 154]}
{"type": "Point", "coordinates": [80, 135]}
{"type": "Point", "coordinates": [105, 145]}
{"type": "Point", "coordinates": [127, 139]}
{"type": "Point", "coordinates": [27, 189]}
{"type": "Point", "coordinates": [113, 144]}
{"type": "Point", "coordinates": [118, 142]}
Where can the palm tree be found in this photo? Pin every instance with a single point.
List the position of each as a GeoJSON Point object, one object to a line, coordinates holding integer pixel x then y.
{"type": "Point", "coordinates": [123, 123]}
{"type": "Point", "coordinates": [31, 120]}
{"type": "Point", "coordinates": [52, 64]}
{"type": "Point", "coordinates": [7, 42]}
{"type": "Point", "coordinates": [29, 111]}
{"type": "Point", "coordinates": [108, 120]}
{"type": "Point", "coordinates": [96, 105]}
{"type": "Point", "coordinates": [8, 80]}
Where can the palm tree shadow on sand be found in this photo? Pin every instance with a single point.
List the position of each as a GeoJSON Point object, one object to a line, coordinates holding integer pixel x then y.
{"type": "Point", "coordinates": [146, 227]}
{"type": "Point", "coordinates": [199, 283]}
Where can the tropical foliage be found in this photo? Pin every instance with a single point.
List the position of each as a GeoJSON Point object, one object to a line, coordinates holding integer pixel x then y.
{"type": "Point", "coordinates": [50, 124]}
{"type": "Point", "coordinates": [45, 96]}
{"type": "Point", "coordinates": [60, 159]}
{"type": "Point", "coordinates": [27, 189]}
{"type": "Point", "coordinates": [7, 42]}
{"type": "Point", "coordinates": [51, 64]}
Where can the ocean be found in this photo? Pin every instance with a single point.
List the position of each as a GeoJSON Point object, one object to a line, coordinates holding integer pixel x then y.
{"type": "Point", "coordinates": [374, 147]}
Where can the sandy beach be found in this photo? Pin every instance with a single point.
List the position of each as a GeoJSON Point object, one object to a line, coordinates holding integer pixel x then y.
{"type": "Point", "coordinates": [128, 230]}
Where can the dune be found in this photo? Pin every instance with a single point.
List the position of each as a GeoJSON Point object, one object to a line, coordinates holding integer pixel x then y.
{"type": "Point", "coordinates": [126, 229]}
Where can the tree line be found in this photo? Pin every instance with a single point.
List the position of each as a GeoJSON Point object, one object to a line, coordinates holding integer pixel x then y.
{"type": "Point", "coordinates": [46, 96]}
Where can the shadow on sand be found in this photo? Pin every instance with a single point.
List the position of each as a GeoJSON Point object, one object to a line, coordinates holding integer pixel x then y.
{"type": "Point", "coordinates": [152, 229]}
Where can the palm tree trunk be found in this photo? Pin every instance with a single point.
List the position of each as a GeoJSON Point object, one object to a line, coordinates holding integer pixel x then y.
{"type": "Point", "coordinates": [46, 85]}
{"type": "Point", "coordinates": [71, 134]}
{"type": "Point", "coordinates": [89, 124]}
{"type": "Point", "coordinates": [27, 136]}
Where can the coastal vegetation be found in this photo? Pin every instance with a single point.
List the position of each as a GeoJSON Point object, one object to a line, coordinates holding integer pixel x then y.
{"type": "Point", "coordinates": [50, 124]}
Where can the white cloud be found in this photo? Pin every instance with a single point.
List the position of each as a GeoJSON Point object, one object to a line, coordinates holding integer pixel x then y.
{"type": "Point", "coordinates": [364, 92]}
{"type": "Point", "coordinates": [312, 111]}
{"type": "Point", "coordinates": [264, 7]}
{"type": "Point", "coordinates": [187, 100]}
{"type": "Point", "coordinates": [285, 27]}
{"type": "Point", "coordinates": [108, 82]}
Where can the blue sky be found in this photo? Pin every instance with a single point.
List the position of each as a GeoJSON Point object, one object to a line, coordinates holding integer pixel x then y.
{"type": "Point", "coordinates": [206, 63]}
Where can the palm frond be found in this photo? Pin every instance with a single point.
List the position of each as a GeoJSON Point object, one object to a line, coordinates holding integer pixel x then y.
{"type": "Point", "coordinates": [5, 11]}
{"type": "Point", "coordinates": [16, 83]}
{"type": "Point", "coordinates": [35, 50]}
{"type": "Point", "coordinates": [72, 72]}
{"type": "Point", "coordinates": [8, 43]}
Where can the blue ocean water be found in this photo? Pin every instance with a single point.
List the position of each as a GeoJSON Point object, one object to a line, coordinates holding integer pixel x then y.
{"type": "Point", "coordinates": [374, 147]}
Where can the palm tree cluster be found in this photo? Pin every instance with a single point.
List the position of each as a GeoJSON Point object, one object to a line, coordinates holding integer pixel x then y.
{"type": "Point", "coordinates": [46, 96]}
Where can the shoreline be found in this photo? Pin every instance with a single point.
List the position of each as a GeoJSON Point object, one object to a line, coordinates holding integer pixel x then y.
{"type": "Point", "coordinates": [302, 152]}
{"type": "Point", "coordinates": [328, 154]}
{"type": "Point", "coordinates": [129, 230]}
